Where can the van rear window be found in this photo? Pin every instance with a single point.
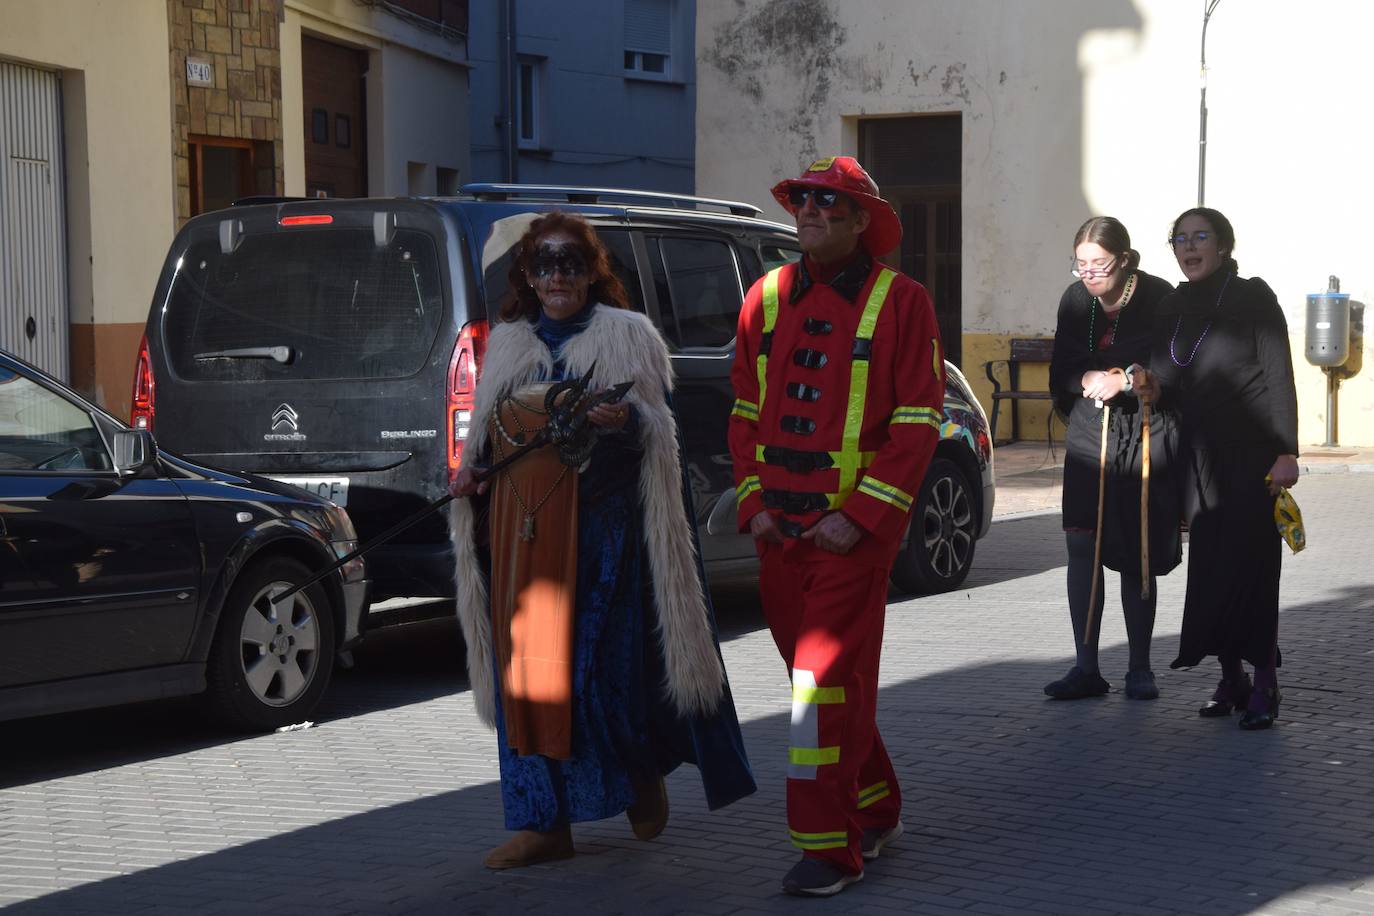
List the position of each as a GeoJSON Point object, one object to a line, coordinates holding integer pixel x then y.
{"type": "Point", "coordinates": [304, 304]}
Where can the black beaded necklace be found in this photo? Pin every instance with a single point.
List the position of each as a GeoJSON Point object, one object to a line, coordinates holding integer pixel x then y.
{"type": "Point", "coordinates": [1097, 303]}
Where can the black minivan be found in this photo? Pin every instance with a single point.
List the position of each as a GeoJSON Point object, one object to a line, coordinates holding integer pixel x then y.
{"type": "Point", "coordinates": [335, 344]}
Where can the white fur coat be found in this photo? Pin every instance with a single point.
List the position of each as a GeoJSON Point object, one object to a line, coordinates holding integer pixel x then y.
{"type": "Point", "coordinates": [624, 345]}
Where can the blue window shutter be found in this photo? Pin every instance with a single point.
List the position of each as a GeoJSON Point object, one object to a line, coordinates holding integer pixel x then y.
{"type": "Point", "coordinates": [648, 26]}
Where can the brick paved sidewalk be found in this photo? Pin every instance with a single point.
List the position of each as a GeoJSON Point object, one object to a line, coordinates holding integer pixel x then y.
{"type": "Point", "coordinates": [1014, 804]}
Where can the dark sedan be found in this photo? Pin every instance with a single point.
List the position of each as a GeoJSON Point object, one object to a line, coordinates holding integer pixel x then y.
{"type": "Point", "coordinates": [128, 574]}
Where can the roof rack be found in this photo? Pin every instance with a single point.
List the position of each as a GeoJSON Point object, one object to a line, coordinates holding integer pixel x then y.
{"type": "Point", "coordinates": [580, 195]}
{"type": "Point", "coordinates": [269, 199]}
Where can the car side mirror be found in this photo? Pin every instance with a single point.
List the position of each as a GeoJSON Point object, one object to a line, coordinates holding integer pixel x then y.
{"type": "Point", "coordinates": [134, 451]}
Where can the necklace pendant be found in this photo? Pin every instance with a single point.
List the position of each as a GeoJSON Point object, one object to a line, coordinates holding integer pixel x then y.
{"type": "Point", "coordinates": [527, 529]}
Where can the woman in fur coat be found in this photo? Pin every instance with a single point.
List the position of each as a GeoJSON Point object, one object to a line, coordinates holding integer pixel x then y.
{"type": "Point", "coordinates": [595, 655]}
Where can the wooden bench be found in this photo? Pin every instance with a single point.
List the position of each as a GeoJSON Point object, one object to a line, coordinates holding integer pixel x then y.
{"type": "Point", "coordinates": [1023, 350]}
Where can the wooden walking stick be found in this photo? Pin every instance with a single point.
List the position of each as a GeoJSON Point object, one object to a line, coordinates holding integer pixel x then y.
{"type": "Point", "coordinates": [1097, 540]}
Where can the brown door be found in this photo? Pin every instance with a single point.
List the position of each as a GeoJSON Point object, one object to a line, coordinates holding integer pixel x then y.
{"type": "Point", "coordinates": [916, 163]}
{"type": "Point", "coordinates": [335, 113]}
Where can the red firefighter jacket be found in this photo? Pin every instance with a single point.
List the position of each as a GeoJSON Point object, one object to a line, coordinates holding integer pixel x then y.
{"type": "Point", "coordinates": [838, 402]}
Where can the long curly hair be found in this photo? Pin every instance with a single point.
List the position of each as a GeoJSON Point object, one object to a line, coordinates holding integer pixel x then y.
{"type": "Point", "coordinates": [605, 287]}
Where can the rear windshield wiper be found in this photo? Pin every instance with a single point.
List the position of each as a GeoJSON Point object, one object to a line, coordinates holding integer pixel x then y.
{"type": "Point", "coordinates": [280, 354]}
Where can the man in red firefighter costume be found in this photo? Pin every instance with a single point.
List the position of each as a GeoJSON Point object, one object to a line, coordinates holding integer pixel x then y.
{"type": "Point", "coordinates": [839, 387]}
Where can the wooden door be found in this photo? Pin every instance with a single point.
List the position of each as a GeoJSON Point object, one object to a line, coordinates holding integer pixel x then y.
{"type": "Point", "coordinates": [333, 97]}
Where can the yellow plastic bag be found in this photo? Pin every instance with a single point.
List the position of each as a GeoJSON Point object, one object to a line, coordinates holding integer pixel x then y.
{"type": "Point", "coordinates": [1288, 518]}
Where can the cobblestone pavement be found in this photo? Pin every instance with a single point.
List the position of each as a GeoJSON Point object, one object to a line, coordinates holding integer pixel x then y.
{"type": "Point", "coordinates": [1014, 804]}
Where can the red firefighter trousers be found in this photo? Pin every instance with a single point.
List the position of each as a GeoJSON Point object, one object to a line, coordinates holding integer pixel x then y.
{"type": "Point", "coordinates": [826, 616]}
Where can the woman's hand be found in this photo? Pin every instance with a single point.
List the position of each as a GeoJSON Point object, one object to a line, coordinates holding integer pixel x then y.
{"type": "Point", "coordinates": [609, 416]}
{"type": "Point", "coordinates": [1284, 473]}
{"type": "Point", "coordinates": [1103, 386]}
{"type": "Point", "coordinates": [465, 483]}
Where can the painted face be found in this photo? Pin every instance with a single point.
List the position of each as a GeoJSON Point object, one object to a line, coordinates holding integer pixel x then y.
{"type": "Point", "coordinates": [1101, 271]}
{"type": "Point", "coordinates": [559, 274]}
{"type": "Point", "coordinates": [1195, 246]}
{"type": "Point", "coordinates": [831, 233]}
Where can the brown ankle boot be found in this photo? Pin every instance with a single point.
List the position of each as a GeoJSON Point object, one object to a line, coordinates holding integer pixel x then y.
{"type": "Point", "coordinates": [649, 814]}
{"type": "Point", "coordinates": [530, 847]}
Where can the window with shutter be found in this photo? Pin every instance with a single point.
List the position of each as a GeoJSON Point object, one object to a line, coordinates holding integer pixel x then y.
{"type": "Point", "coordinates": [648, 36]}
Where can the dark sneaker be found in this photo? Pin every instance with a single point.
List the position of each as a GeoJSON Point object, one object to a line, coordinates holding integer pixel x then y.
{"type": "Point", "coordinates": [1076, 685]}
{"type": "Point", "coordinates": [1140, 685]}
{"type": "Point", "coordinates": [817, 878]}
{"type": "Point", "coordinates": [876, 838]}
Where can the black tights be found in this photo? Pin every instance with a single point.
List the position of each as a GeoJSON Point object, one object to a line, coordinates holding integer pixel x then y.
{"type": "Point", "coordinates": [1139, 612]}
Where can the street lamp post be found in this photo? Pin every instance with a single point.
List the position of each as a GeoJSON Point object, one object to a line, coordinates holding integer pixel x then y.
{"type": "Point", "coordinates": [1208, 7]}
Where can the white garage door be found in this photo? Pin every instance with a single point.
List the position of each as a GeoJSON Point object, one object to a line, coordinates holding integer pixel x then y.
{"type": "Point", "coordinates": [33, 249]}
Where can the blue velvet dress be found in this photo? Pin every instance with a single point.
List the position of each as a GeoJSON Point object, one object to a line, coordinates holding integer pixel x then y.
{"type": "Point", "coordinates": [621, 732]}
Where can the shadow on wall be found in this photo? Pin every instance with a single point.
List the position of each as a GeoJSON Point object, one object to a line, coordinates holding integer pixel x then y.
{"type": "Point", "coordinates": [1095, 806]}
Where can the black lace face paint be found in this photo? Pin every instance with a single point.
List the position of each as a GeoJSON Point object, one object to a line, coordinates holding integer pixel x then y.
{"type": "Point", "coordinates": [566, 259]}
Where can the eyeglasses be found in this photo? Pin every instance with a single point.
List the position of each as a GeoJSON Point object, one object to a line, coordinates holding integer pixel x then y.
{"type": "Point", "coordinates": [824, 198]}
{"type": "Point", "coordinates": [1183, 238]}
{"type": "Point", "coordinates": [1091, 271]}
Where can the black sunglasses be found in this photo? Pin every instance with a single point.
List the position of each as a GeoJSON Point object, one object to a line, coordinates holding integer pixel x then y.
{"type": "Point", "coordinates": [824, 198]}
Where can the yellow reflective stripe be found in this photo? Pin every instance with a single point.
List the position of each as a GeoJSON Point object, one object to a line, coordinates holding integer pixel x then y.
{"type": "Point", "coordinates": [770, 318]}
{"type": "Point", "coordinates": [927, 415]}
{"type": "Point", "coordinates": [858, 384]}
{"type": "Point", "coordinates": [747, 487]}
{"type": "Point", "coordinates": [874, 793]}
{"type": "Point", "coordinates": [887, 493]}
{"type": "Point", "coordinates": [813, 756]}
{"type": "Point", "coordinates": [746, 409]}
{"type": "Point", "coordinates": [835, 840]}
{"type": "Point", "coordinates": [806, 694]}
{"type": "Point", "coordinates": [936, 363]}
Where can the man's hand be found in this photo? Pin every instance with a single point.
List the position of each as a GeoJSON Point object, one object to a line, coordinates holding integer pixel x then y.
{"type": "Point", "coordinates": [835, 533]}
{"type": "Point", "coordinates": [1284, 473]}
{"type": "Point", "coordinates": [765, 528]}
{"type": "Point", "coordinates": [465, 484]}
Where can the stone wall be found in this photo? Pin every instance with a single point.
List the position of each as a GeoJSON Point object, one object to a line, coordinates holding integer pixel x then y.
{"type": "Point", "coordinates": [240, 41]}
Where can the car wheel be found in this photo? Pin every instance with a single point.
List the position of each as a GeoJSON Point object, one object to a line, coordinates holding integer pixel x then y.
{"type": "Point", "coordinates": [939, 548]}
{"type": "Point", "coordinates": [271, 662]}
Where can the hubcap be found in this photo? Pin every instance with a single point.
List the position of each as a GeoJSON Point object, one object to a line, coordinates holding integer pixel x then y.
{"type": "Point", "coordinates": [948, 527]}
{"type": "Point", "coordinates": [280, 645]}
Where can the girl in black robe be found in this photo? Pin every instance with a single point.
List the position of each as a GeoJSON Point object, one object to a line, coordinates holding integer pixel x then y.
{"type": "Point", "coordinates": [1105, 323]}
{"type": "Point", "coordinates": [1221, 357]}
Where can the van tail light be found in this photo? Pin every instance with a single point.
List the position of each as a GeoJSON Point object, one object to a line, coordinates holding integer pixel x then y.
{"type": "Point", "coordinates": [462, 387]}
{"type": "Point", "coordinates": [141, 412]}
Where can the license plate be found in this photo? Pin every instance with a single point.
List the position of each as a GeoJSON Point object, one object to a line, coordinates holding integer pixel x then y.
{"type": "Point", "coordinates": [334, 489]}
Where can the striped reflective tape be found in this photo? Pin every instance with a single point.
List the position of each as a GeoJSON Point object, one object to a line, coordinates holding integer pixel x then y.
{"type": "Point", "coordinates": [747, 487]}
{"type": "Point", "coordinates": [813, 756]}
{"type": "Point", "coordinates": [874, 793]}
{"type": "Point", "coordinates": [746, 409]}
{"type": "Point", "coordinates": [926, 415]}
{"type": "Point", "coordinates": [887, 493]}
{"type": "Point", "coordinates": [817, 695]}
{"type": "Point", "coordinates": [836, 839]}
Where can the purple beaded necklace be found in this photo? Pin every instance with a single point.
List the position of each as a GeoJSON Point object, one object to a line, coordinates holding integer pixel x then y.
{"type": "Point", "coordinates": [1203, 335]}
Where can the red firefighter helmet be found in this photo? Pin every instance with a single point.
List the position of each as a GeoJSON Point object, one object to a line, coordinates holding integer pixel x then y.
{"type": "Point", "coordinates": [844, 174]}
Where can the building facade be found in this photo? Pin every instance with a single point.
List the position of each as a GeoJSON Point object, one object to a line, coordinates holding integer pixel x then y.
{"type": "Point", "coordinates": [118, 122]}
{"type": "Point", "coordinates": [598, 92]}
{"type": "Point", "coordinates": [997, 128]}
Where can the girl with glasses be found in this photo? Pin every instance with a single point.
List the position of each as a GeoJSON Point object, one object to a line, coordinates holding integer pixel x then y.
{"type": "Point", "coordinates": [1102, 338]}
{"type": "Point", "coordinates": [1221, 357]}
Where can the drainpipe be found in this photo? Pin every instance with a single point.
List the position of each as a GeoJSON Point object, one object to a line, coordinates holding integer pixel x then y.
{"type": "Point", "coordinates": [510, 85]}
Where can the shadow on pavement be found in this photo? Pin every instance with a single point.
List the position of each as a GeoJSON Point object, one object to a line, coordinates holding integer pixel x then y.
{"type": "Point", "coordinates": [1013, 803]}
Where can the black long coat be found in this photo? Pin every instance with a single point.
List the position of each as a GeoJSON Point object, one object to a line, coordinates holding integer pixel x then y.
{"type": "Point", "coordinates": [1086, 339]}
{"type": "Point", "coordinates": [1222, 358]}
